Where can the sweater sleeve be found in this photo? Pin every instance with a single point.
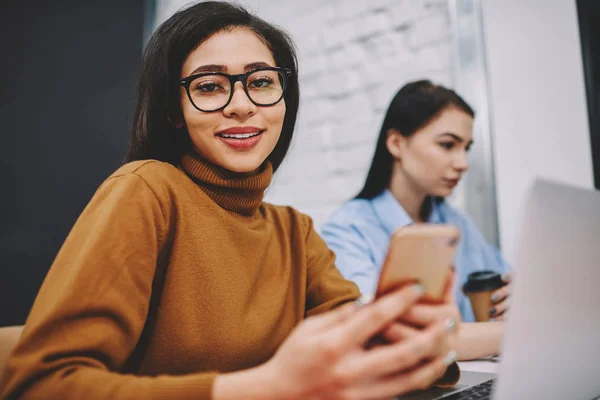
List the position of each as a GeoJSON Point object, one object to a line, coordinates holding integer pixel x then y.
{"type": "Point", "coordinates": [326, 287]}
{"type": "Point", "coordinates": [90, 311]}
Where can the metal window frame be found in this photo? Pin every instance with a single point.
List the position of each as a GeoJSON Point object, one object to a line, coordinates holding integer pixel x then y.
{"type": "Point", "coordinates": [470, 76]}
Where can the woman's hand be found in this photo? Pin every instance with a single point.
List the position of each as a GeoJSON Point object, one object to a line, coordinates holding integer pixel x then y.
{"type": "Point", "coordinates": [500, 299]}
{"type": "Point", "coordinates": [326, 356]}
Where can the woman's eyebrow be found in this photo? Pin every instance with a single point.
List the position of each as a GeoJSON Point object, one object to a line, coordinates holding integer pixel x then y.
{"type": "Point", "coordinates": [452, 135]}
{"type": "Point", "coordinates": [209, 68]}
{"type": "Point", "coordinates": [256, 65]}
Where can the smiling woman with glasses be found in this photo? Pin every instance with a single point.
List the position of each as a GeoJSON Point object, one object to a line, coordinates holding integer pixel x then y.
{"type": "Point", "coordinates": [179, 282]}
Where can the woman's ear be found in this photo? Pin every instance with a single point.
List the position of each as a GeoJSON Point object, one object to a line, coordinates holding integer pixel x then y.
{"type": "Point", "coordinates": [395, 143]}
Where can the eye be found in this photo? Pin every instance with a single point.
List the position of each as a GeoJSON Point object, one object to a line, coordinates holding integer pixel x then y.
{"type": "Point", "coordinates": [469, 147]}
{"type": "Point", "coordinates": [447, 145]}
{"type": "Point", "coordinates": [261, 82]}
{"type": "Point", "coordinates": [207, 87]}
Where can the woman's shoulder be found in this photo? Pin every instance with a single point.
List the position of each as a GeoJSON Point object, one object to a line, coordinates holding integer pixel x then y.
{"type": "Point", "coordinates": [287, 215]}
{"type": "Point", "coordinates": [160, 177]}
{"type": "Point", "coordinates": [355, 212]}
{"type": "Point", "coordinates": [151, 170]}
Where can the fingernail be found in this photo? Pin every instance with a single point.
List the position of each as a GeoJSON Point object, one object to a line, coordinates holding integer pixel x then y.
{"type": "Point", "coordinates": [450, 324]}
{"type": "Point", "coordinates": [450, 357]}
{"type": "Point", "coordinates": [495, 298]}
{"type": "Point", "coordinates": [492, 319]}
{"type": "Point", "coordinates": [363, 299]}
{"type": "Point", "coordinates": [420, 289]}
{"type": "Point", "coordinates": [492, 312]}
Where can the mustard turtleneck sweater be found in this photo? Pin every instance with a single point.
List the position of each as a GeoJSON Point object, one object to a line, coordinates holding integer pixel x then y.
{"type": "Point", "coordinates": [169, 277]}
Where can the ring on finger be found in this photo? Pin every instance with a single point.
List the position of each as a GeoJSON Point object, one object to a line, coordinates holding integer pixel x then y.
{"type": "Point", "coordinates": [450, 324]}
{"type": "Point", "coordinates": [363, 299]}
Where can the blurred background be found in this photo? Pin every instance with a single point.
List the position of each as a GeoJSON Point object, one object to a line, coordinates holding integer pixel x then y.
{"type": "Point", "coordinates": [530, 68]}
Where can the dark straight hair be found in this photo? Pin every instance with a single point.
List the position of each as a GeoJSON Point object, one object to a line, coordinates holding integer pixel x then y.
{"type": "Point", "coordinates": [154, 134]}
{"type": "Point", "coordinates": [415, 105]}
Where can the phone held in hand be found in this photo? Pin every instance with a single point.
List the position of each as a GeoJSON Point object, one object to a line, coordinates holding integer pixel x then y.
{"type": "Point", "coordinates": [421, 253]}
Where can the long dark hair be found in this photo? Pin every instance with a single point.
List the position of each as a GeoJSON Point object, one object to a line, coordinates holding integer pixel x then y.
{"type": "Point", "coordinates": [154, 136]}
{"type": "Point", "coordinates": [415, 104]}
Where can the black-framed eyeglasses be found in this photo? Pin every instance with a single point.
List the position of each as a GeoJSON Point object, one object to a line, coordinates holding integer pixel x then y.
{"type": "Point", "coordinates": [213, 91]}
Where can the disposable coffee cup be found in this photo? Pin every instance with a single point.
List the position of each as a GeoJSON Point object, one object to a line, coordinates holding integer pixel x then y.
{"type": "Point", "coordinates": [479, 288]}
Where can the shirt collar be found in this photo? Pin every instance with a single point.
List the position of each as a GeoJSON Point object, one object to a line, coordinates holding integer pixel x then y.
{"type": "Point", "coordinates": [393, 216]}
{"type": "Point", "coordinates": [390, 213]}
{"type": "Point", "coordinates": [437, 213]}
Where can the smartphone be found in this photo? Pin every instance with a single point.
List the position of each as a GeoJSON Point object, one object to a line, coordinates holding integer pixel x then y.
{"type": "Point", "coordinates": [421, 253]}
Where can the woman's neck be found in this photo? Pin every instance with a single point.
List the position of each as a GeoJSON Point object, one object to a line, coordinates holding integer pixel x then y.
{"type": "Point", "coordinates": [409, 196]}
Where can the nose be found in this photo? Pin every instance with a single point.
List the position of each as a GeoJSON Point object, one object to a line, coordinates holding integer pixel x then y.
{"type": "Point", "coordinates": [461, 162]}
{"type": "Point", "coordinates": [240, 105]}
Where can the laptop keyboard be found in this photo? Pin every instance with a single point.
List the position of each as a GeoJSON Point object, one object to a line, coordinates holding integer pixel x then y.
{"type": "Point", "coordinates": [478, 392]}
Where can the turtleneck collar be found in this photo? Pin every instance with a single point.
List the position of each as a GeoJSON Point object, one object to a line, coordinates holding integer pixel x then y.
{"type": "Point", "coordinates": [232, 191]}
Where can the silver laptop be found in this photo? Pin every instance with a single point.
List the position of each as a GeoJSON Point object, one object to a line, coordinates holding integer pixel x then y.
{"type": "Point", "coordinates": [551, 348]}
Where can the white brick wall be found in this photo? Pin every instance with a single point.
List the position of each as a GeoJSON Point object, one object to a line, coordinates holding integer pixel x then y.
{"type": "Point", "coordinates": [354, 55]}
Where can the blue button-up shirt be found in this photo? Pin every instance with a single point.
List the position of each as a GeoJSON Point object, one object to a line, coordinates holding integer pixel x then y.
{"type": "Point", "coordinates": [359, 233]}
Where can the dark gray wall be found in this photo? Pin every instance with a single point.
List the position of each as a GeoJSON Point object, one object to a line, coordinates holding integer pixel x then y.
{"type": "Point", "coordinates": [67, 91]}
{"type": "Point", "coordinates": [589, 29]}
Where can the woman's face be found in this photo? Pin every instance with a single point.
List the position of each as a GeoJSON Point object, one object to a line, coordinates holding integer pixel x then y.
{"type": "Point", "coordinates": [434, 158]}
{"type": "Point", "coordinates": [241, 136]}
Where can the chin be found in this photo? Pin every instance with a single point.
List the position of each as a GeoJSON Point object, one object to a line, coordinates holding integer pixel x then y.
{"type": "Point", "coordinates": [244, 165]}
{"type": "Point", "coordinates": [441, 192]}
